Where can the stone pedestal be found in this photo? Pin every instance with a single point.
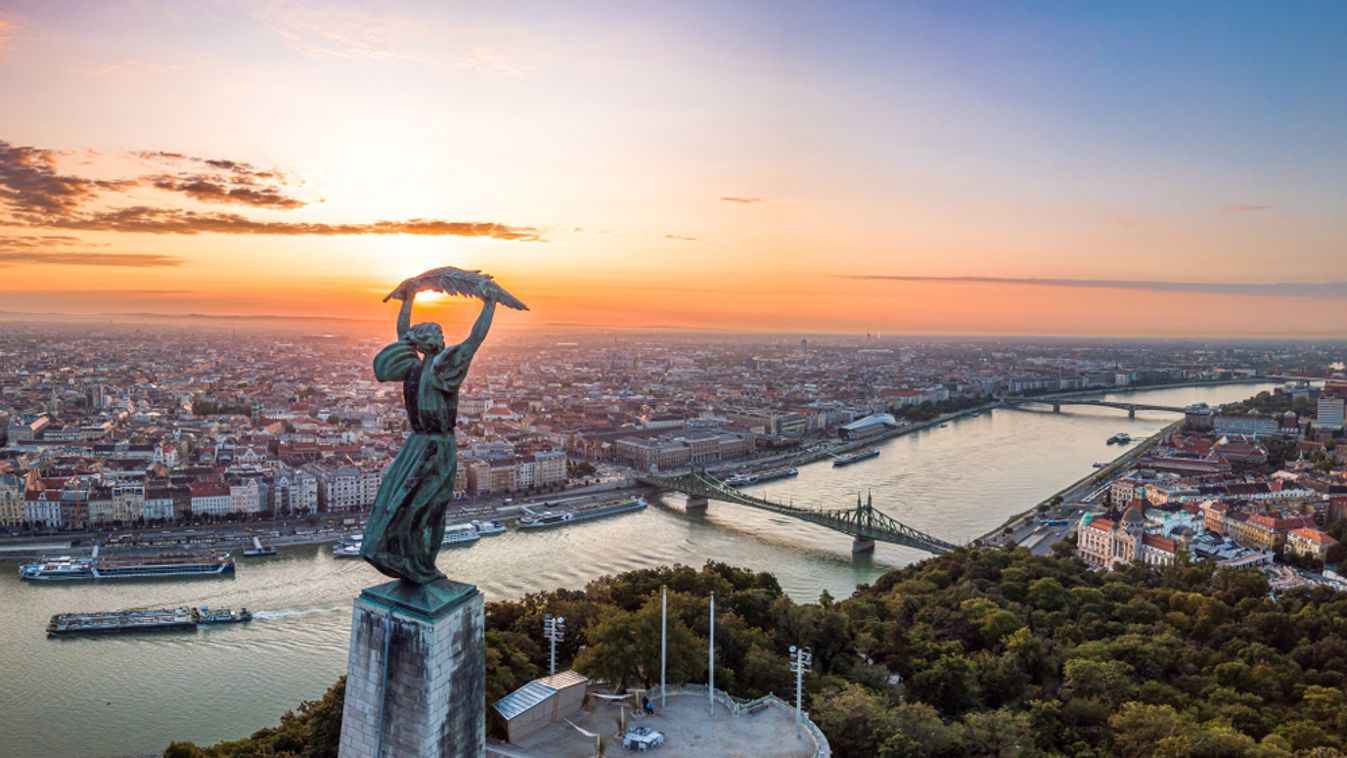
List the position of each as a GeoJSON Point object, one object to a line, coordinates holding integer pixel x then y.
{"type": "Point", "coordinates": [415, 681]}
{"type": "Point", "coordinates": [862, 545]}
{"type": "Point", "coordinates": [697, 503]}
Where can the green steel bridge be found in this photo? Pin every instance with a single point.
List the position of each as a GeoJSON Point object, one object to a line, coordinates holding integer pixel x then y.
{"type": "Point", "coordinates": [866, 525]}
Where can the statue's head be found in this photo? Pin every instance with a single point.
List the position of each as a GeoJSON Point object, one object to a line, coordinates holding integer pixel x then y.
{"type": "Point", "coordinates": [426, 338]}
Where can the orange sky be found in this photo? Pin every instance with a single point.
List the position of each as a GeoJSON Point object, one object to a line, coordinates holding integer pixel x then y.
{"type": "Point", "coordinates": [694, 167]}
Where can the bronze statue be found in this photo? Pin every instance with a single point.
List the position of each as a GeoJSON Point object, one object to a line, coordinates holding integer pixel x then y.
{"type": "Point", "coordinates": [403, 534]}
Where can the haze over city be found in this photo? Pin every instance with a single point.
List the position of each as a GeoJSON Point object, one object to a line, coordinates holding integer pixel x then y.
{"type": "Point", "coordinates": [1139, 169]}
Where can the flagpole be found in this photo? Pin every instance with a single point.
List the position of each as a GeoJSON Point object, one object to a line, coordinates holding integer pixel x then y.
{"type": "Point", "coordinates": [711, 662]}
{"type": "Point", "coordinates": [663, 645]}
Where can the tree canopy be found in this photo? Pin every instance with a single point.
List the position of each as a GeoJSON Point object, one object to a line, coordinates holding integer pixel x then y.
{"type": "Point", "coordinates": [982, 652]}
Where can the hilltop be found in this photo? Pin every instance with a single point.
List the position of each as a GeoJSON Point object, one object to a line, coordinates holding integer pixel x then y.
{"type": "Point", "coordinates": [981, 652]}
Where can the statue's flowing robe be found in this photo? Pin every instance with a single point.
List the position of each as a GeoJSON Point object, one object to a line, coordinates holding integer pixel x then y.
{"type": "Point", "coordinates": [405, 529]}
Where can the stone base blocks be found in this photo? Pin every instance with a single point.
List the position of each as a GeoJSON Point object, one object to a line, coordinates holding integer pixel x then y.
{"type": "Point", "coordinates": [862, 545]}
{"type": "Point", "coordinates": [415, 682]}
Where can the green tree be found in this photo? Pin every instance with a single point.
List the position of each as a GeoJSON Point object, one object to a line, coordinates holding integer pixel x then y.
{"type": "Point", "coordinates": [860, 719]}
{"type": "Point", "coordinates": [624, 648]}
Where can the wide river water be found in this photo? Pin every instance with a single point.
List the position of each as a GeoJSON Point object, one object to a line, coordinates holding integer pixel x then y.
{"type": "Point", "coordinates": [132, 695]}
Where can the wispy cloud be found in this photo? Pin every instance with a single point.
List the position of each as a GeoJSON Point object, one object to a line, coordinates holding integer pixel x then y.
{"type": "Point", "coordinates": [121, 260]}
{"type": "Point", "coordinates": [328, 30]}
{"type": "Point", "coordinates": [1244, 208]}
{"type": "Point", "coordinates": [36, 241]}
{"type": "Point", "coordinates": [54, 250]}
{"type": "Point", "coordinates": [36, 194]}
{"type": "Point", "coordinates": [130, 67]}
{"type": "Point", "coordinates": [679, 238]}
{"type": "Point", "coordinates": [1330, 290]}
{"type": "Point", "coordinates": [9, 28]}
{"type": "Point", "coordinates": [215, 180]}
{"type": "Point", "coordinates": [741, 200]}
{"type": "Point", "coordinates": [145, 219]}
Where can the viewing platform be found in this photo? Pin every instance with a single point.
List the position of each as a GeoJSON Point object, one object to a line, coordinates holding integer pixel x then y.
{"type": "Point", "coordinates": [734, 729]}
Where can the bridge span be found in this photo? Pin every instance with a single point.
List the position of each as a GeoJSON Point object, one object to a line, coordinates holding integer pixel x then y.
{"type": "Point", "coordinates": [866, 525]}
{"type": "Point", "coordinates": [1058, 402]}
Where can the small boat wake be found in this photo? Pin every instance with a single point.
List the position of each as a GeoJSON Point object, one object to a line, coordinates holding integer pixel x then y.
{"type": "Point", "coordinates": [287, 613]}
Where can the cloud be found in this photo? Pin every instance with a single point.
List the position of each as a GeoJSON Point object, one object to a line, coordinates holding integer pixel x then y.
{"type": "Point", "coordinates": [1327, 290]}
{"type": "Point", "coordinates": [150, 220]}
{"type": "Point", "coordinates": [741, 200]}
{"type": "Point", "coordinates": [53, 250]}
{"type": "Point", "coordinates": [680, 238]}
{"type": "Point", "coordinates": [328, 30]}
{"type": "Point", "coordinates": [60, 258]}
{"type": "Point", "coordinates": [36, 195]}
{"type": "Point", "coordinates": [8, 30]}
{"type": "Point", "coordinates": [131, 67]}
{"type": "Point", "coordinates": [29, 182]}
{"type": "Point", "coordinates": [239, 170]}
{"type": "Point", "coordinates": [209, 189]}
{"type": "Point", "coordinates": [1244, 208]}
{"type": "Point", "coordinates": [215, 180]}
{"type": "Point", "coordinates": [30, 241]}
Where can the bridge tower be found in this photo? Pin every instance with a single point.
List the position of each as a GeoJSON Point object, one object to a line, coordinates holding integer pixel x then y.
{"type": "Point", "coordinates": [865, 517]}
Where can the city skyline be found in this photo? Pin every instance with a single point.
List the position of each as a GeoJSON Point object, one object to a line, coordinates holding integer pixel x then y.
{"type": "Point", "coordinates": [985, 169]}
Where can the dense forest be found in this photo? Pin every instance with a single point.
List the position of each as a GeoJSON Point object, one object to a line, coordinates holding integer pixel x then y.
{"type": "Point", "coordinates": [982, 652]}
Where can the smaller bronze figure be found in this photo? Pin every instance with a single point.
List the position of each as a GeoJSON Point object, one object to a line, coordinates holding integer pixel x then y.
{"type": "Point", "coordinates": [404, 532]}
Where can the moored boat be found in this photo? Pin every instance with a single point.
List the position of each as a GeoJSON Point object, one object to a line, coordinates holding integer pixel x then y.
{"type": "Point", "coordinates": [66, 568]}
{"type": "Point", "coordinates": [556, 518]}
{"type": "Point", "coordinates": [459, 534]}
{"type": "Point", "coordinates": [258, 549]}
{"type": "Point", "coordinates": [856, 457]}
{"type": "Point", "coordinates": [486, 528]}
{"type": "Point", "coordinates": [771, 475]}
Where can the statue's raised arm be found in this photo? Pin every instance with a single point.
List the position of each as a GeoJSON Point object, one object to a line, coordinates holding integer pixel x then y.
{"type": "Point", "coordinates": [406, 527]}
{"type": "Point", "coordinates": [456, 281]}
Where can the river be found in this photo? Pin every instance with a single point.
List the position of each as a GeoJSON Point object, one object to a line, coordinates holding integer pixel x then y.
{"type": "Point", "coordinates": [132, 695]}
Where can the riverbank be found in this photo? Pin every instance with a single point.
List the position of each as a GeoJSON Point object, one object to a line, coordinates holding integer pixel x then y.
{"type": "Point", "coordinates": [1072, 496]}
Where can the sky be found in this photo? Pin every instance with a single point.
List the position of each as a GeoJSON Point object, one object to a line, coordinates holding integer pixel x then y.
{"type": "Point", "coordinates": [948, 167]}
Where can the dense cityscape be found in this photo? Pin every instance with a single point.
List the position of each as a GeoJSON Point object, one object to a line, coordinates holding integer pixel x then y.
{"type": "Point", "coordinates": [120, 428]}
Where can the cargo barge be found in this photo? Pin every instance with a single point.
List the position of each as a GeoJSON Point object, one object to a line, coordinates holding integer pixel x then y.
{"type": "Point", "coordinates": [557, 518]}
{"type": "Point", "coordinates": [142, 620]}
{"type": "Point", "coordinates": [66, 568]}
{"type": "Point", "coordinates": [857, 457]}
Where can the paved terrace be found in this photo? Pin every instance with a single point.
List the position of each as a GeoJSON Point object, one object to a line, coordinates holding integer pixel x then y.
{"type": "Point", "coordinates": [689, 732]}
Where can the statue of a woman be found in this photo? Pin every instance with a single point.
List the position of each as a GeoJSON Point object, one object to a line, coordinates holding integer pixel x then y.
{"type": "Point", "coordinates": [404, 532]}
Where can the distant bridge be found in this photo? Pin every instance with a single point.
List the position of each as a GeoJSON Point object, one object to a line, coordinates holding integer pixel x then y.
{"type": "Point", "coordinates": [866, 525]}
{"type": "Point", "coordinates": [1058, 402]}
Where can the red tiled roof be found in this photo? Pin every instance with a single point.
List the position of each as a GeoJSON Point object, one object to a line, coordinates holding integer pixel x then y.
{"type": "Point", "coordinates": [1102, 524]}
{"type": "Point", "coordinates": [1315, 535]}
{"type": "Point", "coordinates": [1161, 543]}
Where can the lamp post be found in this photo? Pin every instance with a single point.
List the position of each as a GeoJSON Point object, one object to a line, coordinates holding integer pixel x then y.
{"type": "Point", "coordinates": [801, 661]}
{"type": "Point", "coordinates": [554, 629]}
